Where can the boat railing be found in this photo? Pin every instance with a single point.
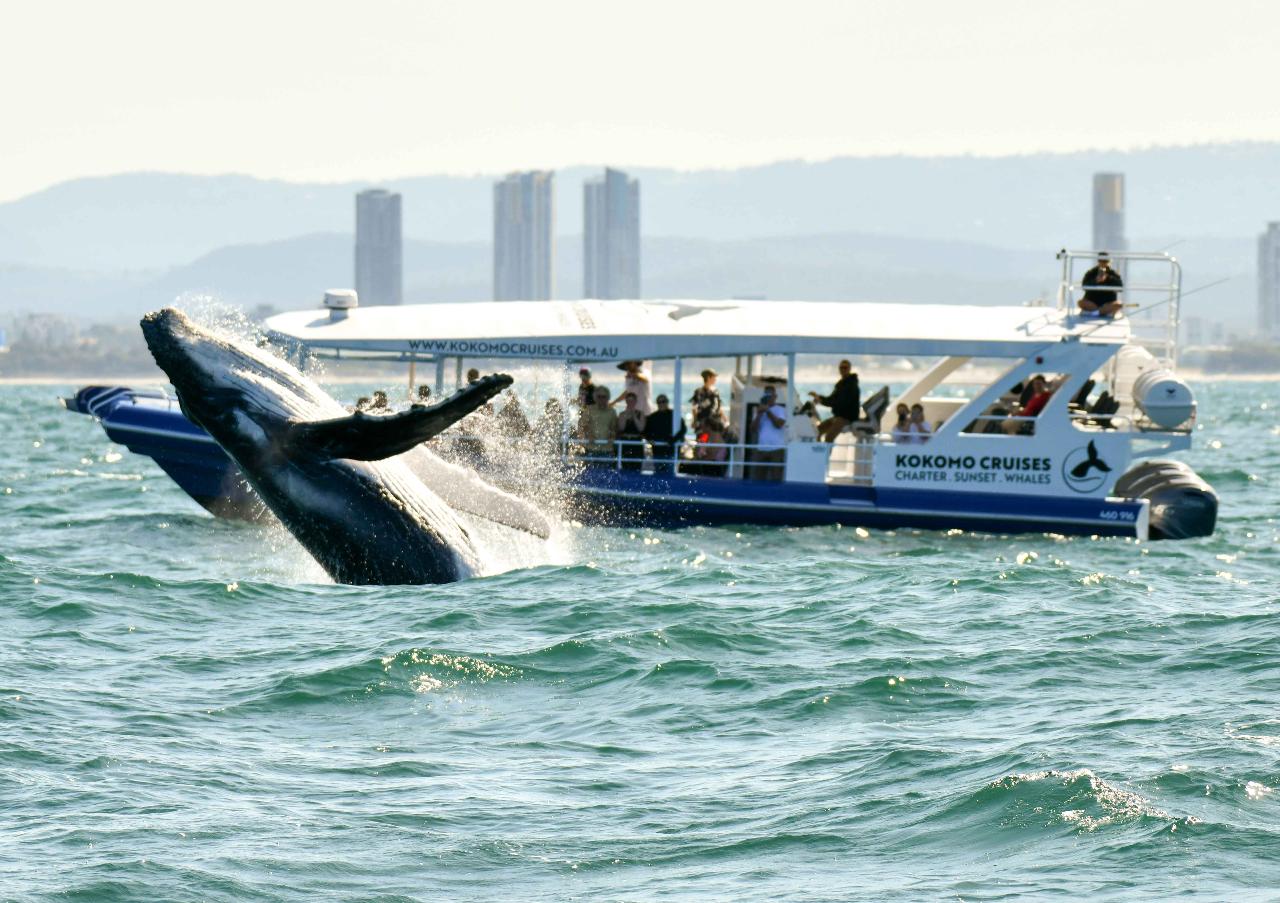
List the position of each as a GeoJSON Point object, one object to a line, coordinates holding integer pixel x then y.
{"type": "Point", "coordinates": [1152, 295]}
{"type": "Point", "coordinates": [640, 455]}
{"type": "Point", "coordinates": [850, 461]}
{"type": "Point", "coordinates": [852, 458]}
{"type": "Point", "coordinates": [97, 402]}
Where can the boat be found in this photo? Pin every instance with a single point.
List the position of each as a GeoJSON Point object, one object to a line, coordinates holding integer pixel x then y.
{"type": "Point", "coordinates": [149, 421]}
{"type": "Point", "coordinates": [1084, 464]}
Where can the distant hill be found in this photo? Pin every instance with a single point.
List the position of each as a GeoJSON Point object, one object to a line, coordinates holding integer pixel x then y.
{"type": "Point", "coordinates": [156, 221]}
{"type": "Point", "coordinates": [846, 266]}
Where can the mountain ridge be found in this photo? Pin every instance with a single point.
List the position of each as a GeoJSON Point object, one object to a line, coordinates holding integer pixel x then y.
{"type": "Point", "coordinates": [159, 220]}
{"type": "Point", "coordinates": [292, 273]}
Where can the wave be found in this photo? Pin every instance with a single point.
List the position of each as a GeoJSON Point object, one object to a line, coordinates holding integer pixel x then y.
{"type": "Point", "coordinates": [1076, 800]}
{"type": "Point", "coordinates": [1233, 476]}
{"type": "Point", "coordinates": [410, 672]}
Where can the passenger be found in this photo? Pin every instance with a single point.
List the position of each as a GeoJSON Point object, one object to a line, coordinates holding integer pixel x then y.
{"type": "Point", "coordinates": [424, 394]}
{"type": "Point", "coordinates": [379, 402]}
{"type": "Point", "coordinates": [900, 429]}
{"type": "Point", "coordinates": [705, 401]}
{"type": "Point", "coordinates": [636, 381]}
{"type": "Point", "coordinates": [1039, 394]}
{"type": "Point", "coordinates": [586, 390]}
{"type": "Point", "coordinates": [1039, 399]}
{"type": "Point", "coordinates": [659, 430]}
{"type": "Point", "coordinates": [712, 451]}
{"type": "Point", "coordinates": [600, 427]}
{"type": "Point", "coordinates": [845, 402]}
{"type": "Point", "coordinates": [362, 404]}
{"type": "Point", "coordinates": [918, 429]}
{"type": "Point", "coordinates": [631, 423]}
{"type": "Point", "coordinates": [771, 437]}
{"type": "Point", "coordinates": [1022, 392]}
{"type": "Point", "coordinates": [473, 376]}
{"type": "Point", "coordinates": [1099, 302]}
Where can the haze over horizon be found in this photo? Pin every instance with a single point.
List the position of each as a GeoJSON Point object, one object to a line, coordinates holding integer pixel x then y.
{"type": "Point", "coordinates": [577, 166]}
{"type": "Point", "coordinates": [331, 93]}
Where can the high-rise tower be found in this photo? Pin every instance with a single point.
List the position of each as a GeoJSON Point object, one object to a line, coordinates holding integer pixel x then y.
{"type": "Point", "coordinates": [524, 237]}
{"type": "Point", "coordinates": [611, 236]}
{"type": "Point", "coordinates": [1269, 283]}
{"type": "Point", "coordinates": [1108, 212]}
{"type": "Point", "coordinates": [379, 272]}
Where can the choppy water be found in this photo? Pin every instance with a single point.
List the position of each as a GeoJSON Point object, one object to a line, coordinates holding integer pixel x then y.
{"type": "Point", "coordinates": [189, 711]}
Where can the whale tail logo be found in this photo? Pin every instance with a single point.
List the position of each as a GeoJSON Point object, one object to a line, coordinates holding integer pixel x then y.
{"type": "Point", "coordinates": [1081, 470]}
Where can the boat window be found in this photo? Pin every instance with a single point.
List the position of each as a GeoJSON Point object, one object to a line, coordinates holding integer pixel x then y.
{"type": "Point", "coordinates": [945, 388]}
{"type": "Point", "coordinates": [1019, 407]}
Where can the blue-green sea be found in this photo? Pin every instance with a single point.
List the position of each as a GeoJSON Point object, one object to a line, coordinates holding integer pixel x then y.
{"type": "Point", "coordinates": [190, 710]}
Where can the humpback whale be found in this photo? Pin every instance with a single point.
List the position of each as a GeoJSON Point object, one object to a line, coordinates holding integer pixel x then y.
{"type": "Point", "coordinates": [333, 479]}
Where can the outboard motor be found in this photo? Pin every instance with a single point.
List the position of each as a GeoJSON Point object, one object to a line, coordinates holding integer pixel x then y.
{"type": "Point", "coordinates": [1183, 505]}
{"type": "Point", "coordinates": [1166, 400]}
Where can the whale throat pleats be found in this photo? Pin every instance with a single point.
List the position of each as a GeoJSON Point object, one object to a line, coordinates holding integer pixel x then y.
{"type": "Point", "coordinates": [371, 437]}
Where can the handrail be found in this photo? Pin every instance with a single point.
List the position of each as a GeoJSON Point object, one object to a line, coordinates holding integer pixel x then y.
{"type": "Point", "coordinates": [1147, 328]}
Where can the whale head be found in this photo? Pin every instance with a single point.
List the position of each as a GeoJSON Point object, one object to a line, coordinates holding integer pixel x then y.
{"type": "Point", "coordinates": [234, 391]}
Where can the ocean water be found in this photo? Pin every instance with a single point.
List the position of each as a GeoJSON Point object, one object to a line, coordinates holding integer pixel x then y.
{"type": "Point", "coordinates": [189, 710]}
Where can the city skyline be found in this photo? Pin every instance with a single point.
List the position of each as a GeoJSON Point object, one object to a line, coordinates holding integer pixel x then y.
{"type": "Point", "coordinates": [954, 223]}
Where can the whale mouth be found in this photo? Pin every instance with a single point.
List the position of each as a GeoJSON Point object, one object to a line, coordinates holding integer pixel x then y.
{"type": "Point", "coordinates": [166, 332]}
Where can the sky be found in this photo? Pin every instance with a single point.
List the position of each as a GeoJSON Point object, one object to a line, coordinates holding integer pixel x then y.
{"type": "Point", "coordinates": [338, 91]}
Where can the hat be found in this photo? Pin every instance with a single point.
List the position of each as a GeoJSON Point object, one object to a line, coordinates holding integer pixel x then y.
{"type": "Point", "coordinates": [1104, 255]}
{"type": "Point", "coordinates": [709, 372]}
{"type": "Point", "coordinates": [625, 364]}
{"type": "Point", "coordinates": [584, 372]}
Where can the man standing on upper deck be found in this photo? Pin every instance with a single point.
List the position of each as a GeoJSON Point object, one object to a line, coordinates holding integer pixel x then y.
{"type": "Point", "coordinates": [845, 401]}
{"type": "Point", "coordinates": [1104, 300]}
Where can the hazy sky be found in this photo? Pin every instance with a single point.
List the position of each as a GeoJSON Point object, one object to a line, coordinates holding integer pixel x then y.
{"type": "Point", "coordinates": [340, 90]}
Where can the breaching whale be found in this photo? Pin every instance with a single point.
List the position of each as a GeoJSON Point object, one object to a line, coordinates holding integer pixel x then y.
{"type": "Point", "coordinates": [330, 477]}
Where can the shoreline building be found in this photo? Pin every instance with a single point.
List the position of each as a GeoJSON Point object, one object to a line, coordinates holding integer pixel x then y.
{"type": "Point", "coordinates": [1108, 212]}
{"type": "Point", "coordinates": [379, 250]}
{"type": "Point", "coordinates": [611, 236]}
{"type": "Point", "coordinates": [1269, 283]}
{"type": "Point", "coordinates": [524, 237]}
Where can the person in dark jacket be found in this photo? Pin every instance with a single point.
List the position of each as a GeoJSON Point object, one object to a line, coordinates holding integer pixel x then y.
{"type": "Point", "coordinates": [1096, 282]}
{"type": "Point", "coordinates": [845, 402]}
{"type": "Point", "coordinates": [663, 435]}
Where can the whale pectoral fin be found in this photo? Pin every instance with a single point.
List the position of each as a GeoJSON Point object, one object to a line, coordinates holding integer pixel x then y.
{"type": "Point", "coordinates": [370, 437]}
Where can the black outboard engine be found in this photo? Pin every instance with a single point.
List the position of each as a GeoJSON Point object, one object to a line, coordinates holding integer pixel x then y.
{"type": "Point", "coordinates": [1182, 504]}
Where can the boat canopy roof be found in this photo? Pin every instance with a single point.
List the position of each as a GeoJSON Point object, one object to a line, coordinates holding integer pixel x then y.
{"type": "Point", "coordinates": [593, 330]}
